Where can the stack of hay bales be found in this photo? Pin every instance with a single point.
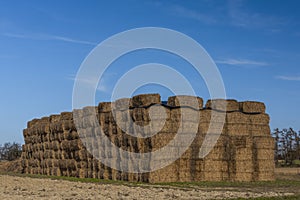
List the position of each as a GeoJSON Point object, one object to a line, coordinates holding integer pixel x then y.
{"type": "Point", "coordinates": [142, 124]}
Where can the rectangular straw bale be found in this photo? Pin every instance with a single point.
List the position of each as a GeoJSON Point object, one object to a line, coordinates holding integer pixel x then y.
{"type": "Point", "coordinates": [207, 116]}
{"type": "Point", "coordinates": [243, 154]}
{"type": "Point", "coordinates": [265, 165]}
{"type": "Point", "coordinates": [31, 123]}
{"type": "Point", "coordinates": [140, 114]}
{"type": "Point", "coordinates": [212, 128]}
{"type": "Point", "coordinates": [123, 116]}
{"type": "Point", "coordinates": [65, 145]}
{"type": "Point", "coordinates": [55, 145]}
{"type": "Point", "coordinates": [68, 125]}
{"type": "Point", "coordinates": [155, 112]}
{"type": "Point", "coordinates": [239, 141]}
{"type": "Point", "coordinates": [264, 142]}
{"type": "Point", "coordinates": [82, 155]}
{"type": "Point", "coordinates": [190, 153]}
{"type": "Point", "coordinates": [66, 116]}
{"type": "Point", "coordinates": [237, 117]}
{"type": "Point", "coordinates": [104, 107]}
{"type": "Point", "coordinates": [213, 176]}
{"type": "Point", "coordinates": [259, 130]}
{"type": "Point", "coordinates": [213, 166]}
{"type": "Point", "coordinates": [244, 166]}
{"type": "Point", "coordinates": [89, 110]}
{"type": "Point", "coordinates": [161, 139]}
{"type": "Point", "coordinates": [265, 154]}
{"type": "Point", "coordinates": [82, 173]}
{"type": "Point", "coordinates": [54, 118]}
{"type": "Point", "coordinates": [188, 127]}
{"type": "Point", "coordinates": [237, 129]}
{"type": "Point", "coordinates": [185, 101]}
{"type": "Point", "coordinates": [259, 119]}
{"type": "Point", "coordinates": [55, 162]}
{"type": "Point", "coordinates": [186, 114]}
{"type": "Point", "coordinates": [122, 104]}
{"type": "Point", "coordinates": [265, 176]}
{"type": "Point", "coordinates": [185, 176]}
{"type": "Point", "coordinates": [217, 153]}
{"type": "Point", "coordinates": [63, 164]}
{"type": "Point", "coordinates": [244, 176]}
{"type": "Point", "coordinates": [222, 105]}
{"type": "Point", "coordinates": [56, 126]}
{"type": "Point", "coordinates": [252, 107]}
{"type": "Point", "coordinates": [215, 140]}
{"type": "Point", "coordinates": [145, 100]}
{"type": "Point", "coordinates": [55, 171]}
{"type": "Point", "coordinates": [71, 164]}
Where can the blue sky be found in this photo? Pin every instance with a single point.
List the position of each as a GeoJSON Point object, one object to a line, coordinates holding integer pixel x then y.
{"type": "Point", "coordinates": [255, 44]}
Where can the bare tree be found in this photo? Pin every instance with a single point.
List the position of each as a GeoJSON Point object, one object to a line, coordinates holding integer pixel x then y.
{"type": "Point", "coordinates": [10, 151]}
{"type": "Point", "coordinates": [287, 145]}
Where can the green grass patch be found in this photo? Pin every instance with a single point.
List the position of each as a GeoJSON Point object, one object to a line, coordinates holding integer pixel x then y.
{"type": "Point", "coordinates": [203, 184]}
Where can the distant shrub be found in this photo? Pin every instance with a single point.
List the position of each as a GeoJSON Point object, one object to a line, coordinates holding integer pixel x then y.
{"type": "Point", "coordinates": [10, 151]}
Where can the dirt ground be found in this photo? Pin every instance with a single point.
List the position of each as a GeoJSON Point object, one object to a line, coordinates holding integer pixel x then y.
{"type": "Point", "coordinates": [23, 187]}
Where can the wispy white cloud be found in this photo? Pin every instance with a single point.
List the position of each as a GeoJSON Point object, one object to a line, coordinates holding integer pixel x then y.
{"type": "Point", "coordinates": [288, 78]}
{"type": "Point", "coordinates": [48, 37]}
{"type": "Point", "coordinates": [66, 39]}
{"type": "Point", "coordinates": [242, 62]}
{"type": "Point", "coordinates": [243, 17]}
{"type": "Point", "coordinates": [102, 86]}
{"type": "Point", "coordinates": [192, 14]}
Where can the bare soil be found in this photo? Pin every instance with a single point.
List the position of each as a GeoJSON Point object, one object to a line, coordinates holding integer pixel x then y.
{"type": "Point", "coordinates": [24, 187]}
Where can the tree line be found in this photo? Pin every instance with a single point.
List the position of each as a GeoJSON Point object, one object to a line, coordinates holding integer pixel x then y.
{"type": "Point", "coordinates": [287, 147]}
{"type": "Point", "coordinates": [10, 151]}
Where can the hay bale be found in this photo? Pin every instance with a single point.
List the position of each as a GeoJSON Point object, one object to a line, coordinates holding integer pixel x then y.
{"type": "Point", "coordinates": [122, 104]}
{"type": "Point", "coordinates": [259, 130]}
{"type": "Point", "coordinates": [104, 107]}
{"type": "Point", "coordinates": [265, 176]}
{"type": "Point", "coordinates": [185, 101]}
{"type": "Point", "coordinates": [243, 154]}
{"type": "Point", "coordinates": [31, 123]}
{"type": "Point", "coordinates": [207, 116]}
{"type": "Point", "coordinates": [213, 165]}
{"type": "Point", "coordinates": [237, 117]}
{"type": "Point", "coordinates": [54, 118]}
{"type": "Point", "coordinates": [216, 154]}
{"type": "Point", "coordinates": [265, 154]}
{"type": "Point", "coordinates": [66, 116]}
{"type": "Point", "coordinates": [243, 176]}
{"type": "Point", "coordinates": [228, 105]}
{"type": "Point", "coordinates": [56, 127]}
{"type": "Point", "coordinates": [252, 107]}
{"type": "Point", "coordinates": [265, 165]}
{"type": "Point", "coordinates": [237, 129]}
{"type": "Point", "coordinates": [89, 110]}
{"type": "Point", "coordinates": [140, 114]}
{"type": "Point", "coordinates": [68, 125]}
{"type": "Point", "coordinates": [185, 115]}
{"type": "Point", "coordinates": [242, 166]}
{"type": "Point", "coordinates": [213, 176]}
{"type": "Point", "coordinates": [264, 142]}
{"type": "Point", "coordinates": [155, 112]}
{"type": "Point", "coordinates": [212, 128]}
{"type": "Point", "coordinates": [144, 100]}
{"type": "Point", "coordinates": [259, 119]}
{"type": "Point", "coordinates": [65, 145]}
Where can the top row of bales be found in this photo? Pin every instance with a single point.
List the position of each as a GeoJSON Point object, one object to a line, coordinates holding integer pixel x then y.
{"type": "Point", "coordinates": [147, 100]}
